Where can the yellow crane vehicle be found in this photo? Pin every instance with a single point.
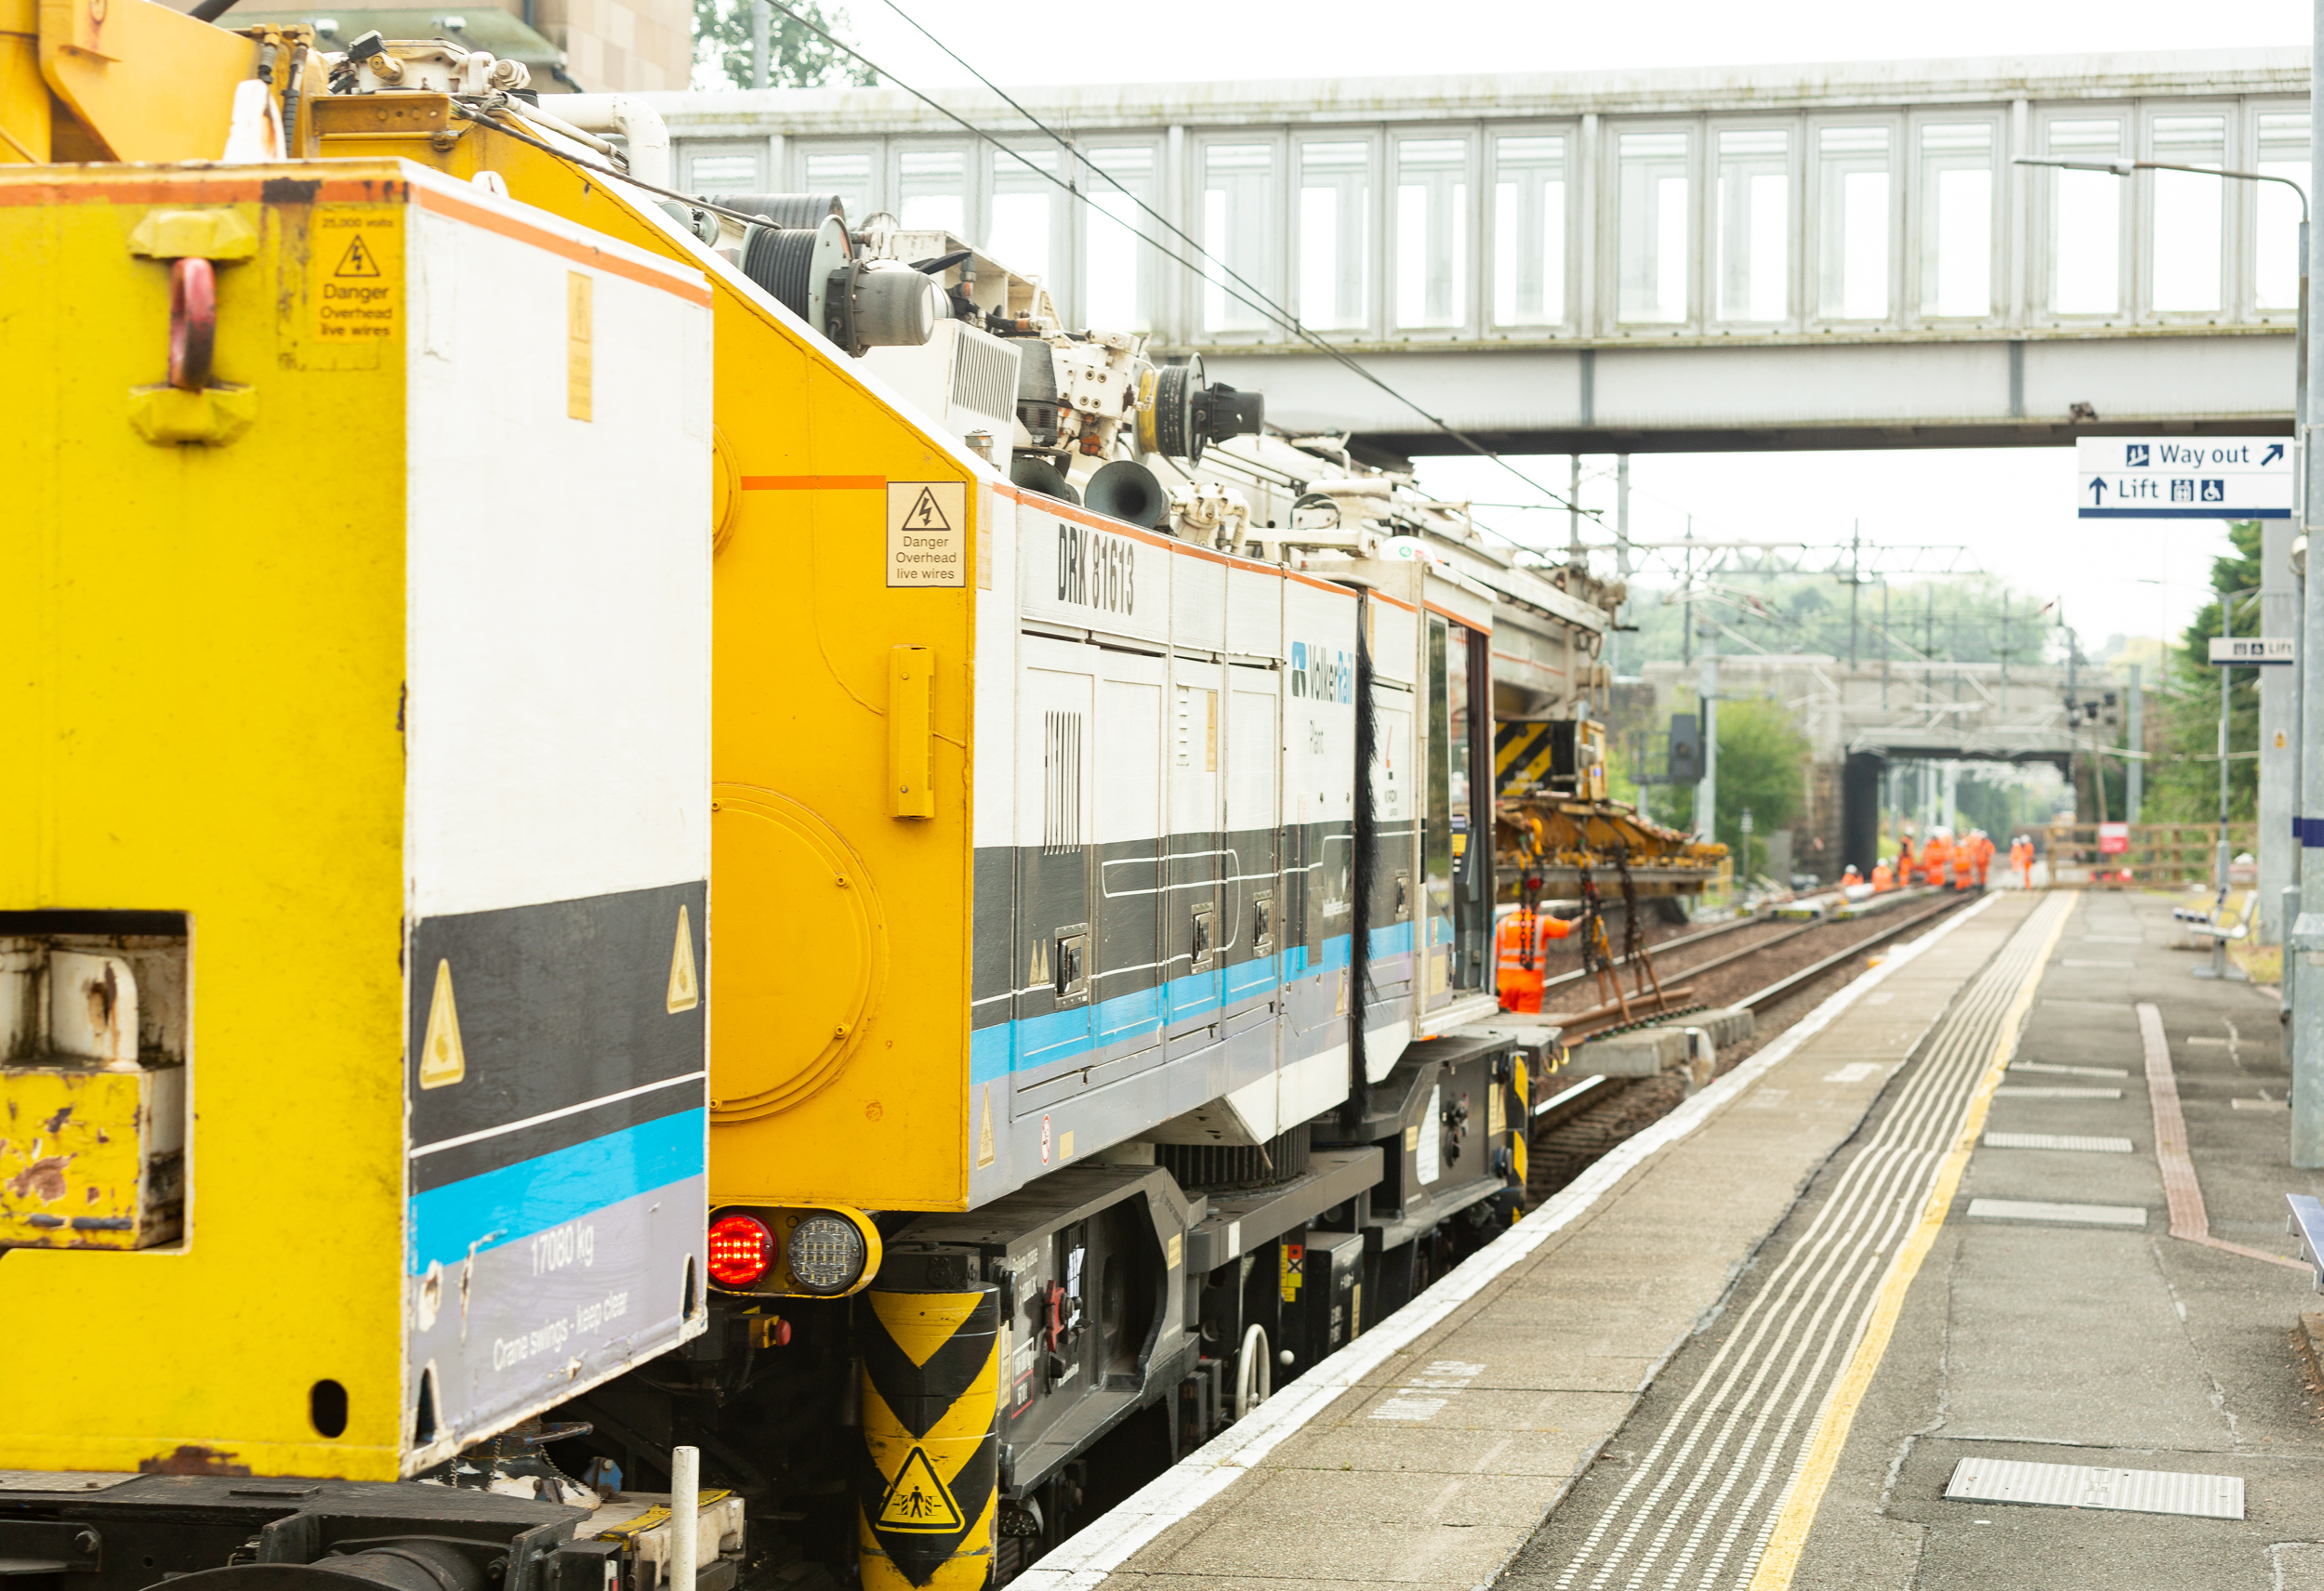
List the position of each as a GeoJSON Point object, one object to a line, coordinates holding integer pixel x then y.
{"type": "Point", "coordinates": [727, 838]}
{"type": "Point", "coordinates": [592, 881]}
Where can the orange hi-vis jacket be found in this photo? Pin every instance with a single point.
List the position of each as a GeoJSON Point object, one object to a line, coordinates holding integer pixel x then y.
{"type": "Point", "coordinates": [1521, 985]}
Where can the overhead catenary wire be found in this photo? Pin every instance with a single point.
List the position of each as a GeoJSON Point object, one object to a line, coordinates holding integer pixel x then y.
{"type": "Point", "coordinates": [1251, 296]}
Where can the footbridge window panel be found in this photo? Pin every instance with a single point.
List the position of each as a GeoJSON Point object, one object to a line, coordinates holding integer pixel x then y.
{"type": "Point", "coordinates": [1332, 239]}
{"type": "Point", "coordinates": [1029, 215]}
{"type": "Point", "coordinates": [2187, 225]}
{"type": "Point", "coordinates": [2281, 150]}
{"type": "Point", "coordinates": [849, 173]}
{"type": "Point", "coordinates": [1652, 209]}
{"type": "Point", "coordinates": [1529, 231]}
{"type": "Point", "coordinates": [931, 190]}
{"type": "Point", "coordinates": [1853, 222]}
{"type": "Point", "coordinates": [1432, 241]}
{"type": "Point", "coordinates": [1239, 226]}
{"type": "Point", "coordinates": [1956, 216]}
{"type": "Point", "coordinates": [1753, 237]}
{"type": "Point", "coordinates": [1121, 277]}
{"type": "Point", "coordinates": [2087, 215]}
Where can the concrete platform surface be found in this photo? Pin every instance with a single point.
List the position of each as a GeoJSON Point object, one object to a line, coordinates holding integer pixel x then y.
{"type": "Point", "coordinates": [2048, 1341]}
{"type": "Point", "coordinates": [1428, 1452]}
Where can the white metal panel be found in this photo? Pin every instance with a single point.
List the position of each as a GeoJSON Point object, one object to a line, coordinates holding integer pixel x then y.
{"type": "Point", "coordinates": [1129, 748]}
{"type": "Point", "coordinates": [1252, 703]}
{"type": "Point", "coordinates": [1254, 611]}
{"type": "Point", "coordinates": [1072, 571]}
{"type": "Point", "coordinates": [1395, 640]}
{"type": "Point", "coordinates": [1055, 804]}
{"type": "Point", "coordinates": [1195, 730]}
{"type": "Point", "coordinates": [1319, 708]}
{"type": "Point", "coordinates": [1198, 603]}
{"type": "Point", "coordinates": [992, 730]}
{"type": "Point", "coordinates": [557, 575]}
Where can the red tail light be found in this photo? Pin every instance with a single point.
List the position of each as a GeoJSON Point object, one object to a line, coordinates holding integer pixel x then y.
{"type": "Point", "coordinates": [740, 1249]}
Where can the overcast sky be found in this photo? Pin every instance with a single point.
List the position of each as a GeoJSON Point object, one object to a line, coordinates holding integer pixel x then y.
{"type": "Point", "coordinates": [2014, 507]}
{"type": "Point", "coordinates": [1203, 40]}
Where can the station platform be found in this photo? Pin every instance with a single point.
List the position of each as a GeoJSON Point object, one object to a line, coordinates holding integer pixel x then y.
{"type": "Point", "coordinates": [1753, 1345]}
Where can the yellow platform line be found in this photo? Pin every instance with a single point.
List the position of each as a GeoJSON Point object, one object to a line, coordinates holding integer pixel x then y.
{"type": "Point", "coordinates": [1781, 1559]}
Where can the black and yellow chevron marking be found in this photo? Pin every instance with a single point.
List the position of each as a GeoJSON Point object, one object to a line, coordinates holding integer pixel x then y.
{"type": "Point", "coordinates": [1521, 754]}
{"type": "Point", "coordinates": [932, 1440]}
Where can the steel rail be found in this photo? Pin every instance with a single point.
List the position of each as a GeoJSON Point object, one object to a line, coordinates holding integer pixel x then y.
{"type": "Point", "coordinates": [1785, 985]}
{"type": "Point", "coordinates": [1711, 933]}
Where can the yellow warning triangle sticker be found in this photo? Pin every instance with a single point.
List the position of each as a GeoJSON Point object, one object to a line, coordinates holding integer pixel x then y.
{"type": "Point", "coordinates": [440, 1058]}
{"type": "Point", "coordinates": [917, 1501]}
{"type": "Point", "coordinates": [925, 515]}
{"type": "Point", "coordinates": [357, 261]}
{"type": "Point", "coordinates": [685, 989]}
{"type": "Point", "coordinates": [985, 1131]}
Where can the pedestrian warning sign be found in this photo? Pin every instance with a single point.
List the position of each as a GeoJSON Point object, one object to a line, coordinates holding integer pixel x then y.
{"type": "Point", "coordinates": [928, 532]}
{"type": "Point", "coordinates": [355, 272]}
{"type": "Point", "coordinates": [440, 1058]}
{"type": "Point", "coordinates": [917, 1500]}
{"type": "Point", "coordinates": [685, 988]}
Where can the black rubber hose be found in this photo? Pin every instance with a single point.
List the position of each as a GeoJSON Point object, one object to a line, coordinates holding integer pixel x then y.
{"type": "Point", "coordinates": [780, 259]}
{"type": "Point", "coordinates": [211, 11]}
{"type": "Point", "coordinates": [788, 209]}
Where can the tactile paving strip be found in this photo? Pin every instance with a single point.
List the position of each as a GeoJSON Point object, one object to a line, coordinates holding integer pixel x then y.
{"type": "Point", "coordinates": [2082, 1486]}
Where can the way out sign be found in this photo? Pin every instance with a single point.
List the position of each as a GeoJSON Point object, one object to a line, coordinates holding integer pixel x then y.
{"type": "Point", "coordinates": [2182, 477]}
{"type": "Point", "coordinates": [2251, 652]}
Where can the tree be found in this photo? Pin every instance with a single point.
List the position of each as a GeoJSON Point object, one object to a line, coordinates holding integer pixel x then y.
{"type": "Point", "coordinates": [2183, 783]}
{"type": "Point", "coordinates": [1762, 767]}
{"type": "Point", "coordinates": [796, 58]}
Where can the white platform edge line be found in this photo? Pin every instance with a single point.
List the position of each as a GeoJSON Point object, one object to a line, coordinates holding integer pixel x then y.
{"type": "Point", "coordinates": [1083, 1559]}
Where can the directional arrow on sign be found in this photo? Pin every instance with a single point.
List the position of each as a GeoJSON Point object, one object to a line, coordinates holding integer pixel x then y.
{"type": "Point", "coordinates": [2098, 491]}
{"type": "Point", "coordinates": [2275, 452]}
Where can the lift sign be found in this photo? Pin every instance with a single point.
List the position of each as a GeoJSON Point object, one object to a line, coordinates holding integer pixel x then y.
{"type": "Point", "coordinates": [2182, 477]}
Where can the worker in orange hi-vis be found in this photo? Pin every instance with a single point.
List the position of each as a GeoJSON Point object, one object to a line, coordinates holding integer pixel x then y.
{"type": "Point", "coordinates": [1932, 851]}
{"type": "Point", "coordinates": [1850, 877]}
{"type": "Point", "coordinates": [1521, 983]}
{"type": "Point", "coordinates": [2021, 855]}
{"type": "Point", "coordinates": [1963, 861]}
{"type": "Point", "coordinates": [1982, 857]}
{"type": "Point", "coordinates": [1904, 860]}
{"type": "Point", "coordinates": [1882, 876]}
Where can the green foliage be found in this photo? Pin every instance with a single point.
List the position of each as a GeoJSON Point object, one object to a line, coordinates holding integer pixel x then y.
{"type": "Point", "coordinates": [1763, 766]}
{"type": "Point", "coordinates": [2183, 782]}
{"type": "Point", "coordinates": [796, 58]}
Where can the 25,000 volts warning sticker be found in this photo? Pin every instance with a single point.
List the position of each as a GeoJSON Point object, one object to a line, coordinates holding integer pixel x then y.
{"type": "Point", "coordinates": [355, 274]}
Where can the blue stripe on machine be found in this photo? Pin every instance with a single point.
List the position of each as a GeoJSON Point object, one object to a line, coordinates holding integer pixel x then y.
{"type": "Point", "coordinates": [514, 1201]}
{"type": "Point", "coordinates": [997, 1050]}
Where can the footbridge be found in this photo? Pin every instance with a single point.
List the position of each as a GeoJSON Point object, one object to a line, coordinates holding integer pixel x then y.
{"type": "Point", "coordinates": [1814, 256]}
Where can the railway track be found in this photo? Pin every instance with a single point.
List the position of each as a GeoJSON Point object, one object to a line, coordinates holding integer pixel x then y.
{"type": "Point", "coordinates": [1595, 1114]}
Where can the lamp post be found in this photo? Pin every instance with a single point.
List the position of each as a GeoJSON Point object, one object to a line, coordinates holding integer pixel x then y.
{"type": "Point", "coordinates": [2217, 967]}
{"type": "Point", "coordinates": [2281, 775]}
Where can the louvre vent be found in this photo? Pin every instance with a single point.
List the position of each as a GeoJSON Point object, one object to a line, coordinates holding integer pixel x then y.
{"type": "Point", "coordinates": [984, 375]}
{"type": "Point", "coordinates": [1060, 781]}
{"type": "Point", "coordinates": [1216, 1167]}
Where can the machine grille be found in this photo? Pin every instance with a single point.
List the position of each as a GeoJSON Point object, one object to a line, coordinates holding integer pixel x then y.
{"type": "Point", "coordinates": [1060, 781]}
{"type": "Point", "coordinates": [984, 375]}
{"type": "Point", "coordinates": [1216, 1167]}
